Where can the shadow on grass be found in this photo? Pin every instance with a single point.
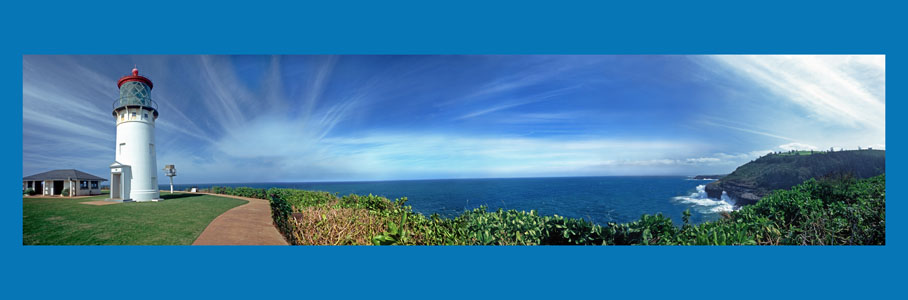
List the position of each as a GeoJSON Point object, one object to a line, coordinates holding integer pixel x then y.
{"type": "Point", "coordinates": [167, 196]}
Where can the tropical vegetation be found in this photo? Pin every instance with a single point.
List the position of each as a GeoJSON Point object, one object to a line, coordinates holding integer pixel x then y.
{"type": "Point", "coordinates": [830, 211]}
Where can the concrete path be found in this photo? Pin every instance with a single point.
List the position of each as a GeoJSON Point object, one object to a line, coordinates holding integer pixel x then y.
{"type": "Point", "coordinates": [247, 224]}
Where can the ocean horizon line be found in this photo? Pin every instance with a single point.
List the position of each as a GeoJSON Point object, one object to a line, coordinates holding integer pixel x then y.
{"type": "Point", "coordinates": [425, 179]}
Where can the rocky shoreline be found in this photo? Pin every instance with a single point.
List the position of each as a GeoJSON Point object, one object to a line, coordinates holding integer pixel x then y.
{"type": "Point", "coordinates": [742, 193]}
{"type": "Point", "coordinates": [752, 181]}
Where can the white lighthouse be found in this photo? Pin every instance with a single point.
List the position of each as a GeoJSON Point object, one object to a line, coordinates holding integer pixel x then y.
{"type": "Point", "coordinates": [133, 175]}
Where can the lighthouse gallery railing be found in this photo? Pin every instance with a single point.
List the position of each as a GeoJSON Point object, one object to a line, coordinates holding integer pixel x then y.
{"type": "Point", "coordinates": [134, 102]}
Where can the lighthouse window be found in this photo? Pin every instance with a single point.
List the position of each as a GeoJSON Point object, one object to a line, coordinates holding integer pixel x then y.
{"type": "Point", "coordinates": [122, 145]}
{"type": "Point", "coordinates": [146, 115]}
{"type": "Point", "coordinates": [122, 117]}
{"type": "Point", "coordinates": [132, 116]}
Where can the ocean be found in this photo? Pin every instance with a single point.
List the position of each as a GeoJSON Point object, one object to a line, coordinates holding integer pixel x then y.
{"type": "Point", "coordinates": [598, 199]}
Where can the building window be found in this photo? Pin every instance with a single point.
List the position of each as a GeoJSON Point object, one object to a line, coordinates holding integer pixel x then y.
{"type": "Point", "coordinates": [83, 184]}
{"type": "Point", "coordinates": [94, 185]}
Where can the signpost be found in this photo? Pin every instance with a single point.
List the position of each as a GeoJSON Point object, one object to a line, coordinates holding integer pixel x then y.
{"type": "Point", "coordinates": [170, 171]}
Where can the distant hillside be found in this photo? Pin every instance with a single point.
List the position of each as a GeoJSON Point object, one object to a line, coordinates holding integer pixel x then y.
{"type": "Point", "coordinates": [708, 177]}
{"type": "Point", "coordinates": [758, 178]}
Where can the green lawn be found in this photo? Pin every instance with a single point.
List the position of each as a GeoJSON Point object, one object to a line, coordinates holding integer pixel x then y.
{"type": "Point", "coordinates": [176, 221]}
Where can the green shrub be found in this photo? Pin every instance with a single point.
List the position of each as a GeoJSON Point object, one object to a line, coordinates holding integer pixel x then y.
{"type": "Point", "coordinates": [841, 211]}
{"type": "Point", "coordinates": [30, 192]}
{"type": "Point", "coordinates": [64, 193]}
{"type": "Point", "coordinates": [280, 214]}
{"type": "Point", "coordinates": [248, 192]}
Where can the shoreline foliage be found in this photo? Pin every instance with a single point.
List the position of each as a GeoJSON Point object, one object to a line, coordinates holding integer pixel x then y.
{"type": "Point", "coordinates": [830, 211]}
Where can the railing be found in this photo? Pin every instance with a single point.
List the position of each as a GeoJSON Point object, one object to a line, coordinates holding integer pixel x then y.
{"type": "Point", "coordinates": [134, 101]}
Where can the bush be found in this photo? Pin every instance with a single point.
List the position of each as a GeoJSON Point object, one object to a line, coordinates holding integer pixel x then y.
{"type": "Point", "coordinates": [249, 192]}
{"type": "Point", "coordinates": [30, 192]}
{"type": "Point", "coordinates": [240, 191]}
{"type": "Point", "coordinates": [838, 211]}
{"type": "Point", "coordinates": [64, 193]}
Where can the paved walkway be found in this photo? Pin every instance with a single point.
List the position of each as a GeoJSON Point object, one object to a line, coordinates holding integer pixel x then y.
{"type": "Point", "coordinates": [247, 224]}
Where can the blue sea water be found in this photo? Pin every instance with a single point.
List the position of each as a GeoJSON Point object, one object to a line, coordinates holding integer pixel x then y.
{"type": "Point", "coordinates": [599, 199]}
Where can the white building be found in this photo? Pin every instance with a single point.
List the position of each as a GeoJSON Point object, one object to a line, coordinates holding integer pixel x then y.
{"type": "Point", "coordinates": [54, 182]}
{"type": "Point", "coordinates": [133, 174]}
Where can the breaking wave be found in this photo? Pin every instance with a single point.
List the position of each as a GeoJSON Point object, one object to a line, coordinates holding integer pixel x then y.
{"type": "Point", "coordinates": [706, 205]}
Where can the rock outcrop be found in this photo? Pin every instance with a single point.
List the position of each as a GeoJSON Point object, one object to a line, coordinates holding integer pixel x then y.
{"type": "Point", "coordinates": [708, 177]}
{"type": "Point", "coordinates": [751, 181]}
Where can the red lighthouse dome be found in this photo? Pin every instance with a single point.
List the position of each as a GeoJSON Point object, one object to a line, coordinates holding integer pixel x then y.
{"type": "Point", "coordinates": [135, 77]}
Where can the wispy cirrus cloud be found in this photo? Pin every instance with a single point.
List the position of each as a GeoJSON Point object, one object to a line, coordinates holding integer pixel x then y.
{"type": "Point", "coordinates": [288, 118]}
{"type": "Point", "coordinates": [747, 130]}
{"type": "Point", "coordinates": [205, 122]}
{"type": "Point", "coordinates": [455, 155]}
{"type": "Point", "coordinates": [843, 89]}
{"type": "Point", "coordinates": [535, 98]}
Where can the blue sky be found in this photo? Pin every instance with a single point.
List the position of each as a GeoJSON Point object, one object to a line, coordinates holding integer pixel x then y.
{"type": "Point", "coordinates": [338, 118]}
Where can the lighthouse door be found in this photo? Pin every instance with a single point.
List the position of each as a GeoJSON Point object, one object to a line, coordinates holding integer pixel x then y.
{"type": "Point", "coordinates": [115, 186]}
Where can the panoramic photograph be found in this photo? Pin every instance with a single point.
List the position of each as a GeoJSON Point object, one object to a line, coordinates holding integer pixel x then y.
{"type": "Point", "coordinates": [453, 150]}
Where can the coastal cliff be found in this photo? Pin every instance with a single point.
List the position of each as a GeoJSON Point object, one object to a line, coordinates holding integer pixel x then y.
{"type": "Point", "coordinates": [758, 178]}
{"type": "Point", "coordinates": [708, 177]}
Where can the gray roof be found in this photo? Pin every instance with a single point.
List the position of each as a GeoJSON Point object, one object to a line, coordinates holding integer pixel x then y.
{"type": "Point", "coordinates": [63, 175]}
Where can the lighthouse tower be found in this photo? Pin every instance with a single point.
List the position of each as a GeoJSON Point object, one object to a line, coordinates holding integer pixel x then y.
{"type": "Point", "coordinates": [133, 175]}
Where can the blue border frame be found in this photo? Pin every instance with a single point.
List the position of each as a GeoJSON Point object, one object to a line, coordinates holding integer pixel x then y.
{"type": "Point", "coordinates": [462, 27]}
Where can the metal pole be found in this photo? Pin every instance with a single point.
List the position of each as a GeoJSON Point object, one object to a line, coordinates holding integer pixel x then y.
{"type": "Point", "coordinates": [171, 184]}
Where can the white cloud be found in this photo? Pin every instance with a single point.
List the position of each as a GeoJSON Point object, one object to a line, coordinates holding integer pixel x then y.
{"type": "Point", "coordinates": [797, 146]}
{"type": "Point", "coordinates": [412, 155]}
{"type": "Point", "coordinates": [415, 155]}
{"type": "Point", "coordinates": [711, 123]}
{"type": "Point", "coordinates": [548, 95]}
{"type": "Point", "coordinates": [702, 160]}
{"type": "Point", "coordinates": [848, 90]}
{"type": "Point", "coordinates": [227, 130]}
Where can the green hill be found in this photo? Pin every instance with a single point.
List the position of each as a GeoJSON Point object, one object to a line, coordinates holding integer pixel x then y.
{"type": "Point", "coordinates": [708, 177]}
{"type": "Point", "coordinates": [751, 181]}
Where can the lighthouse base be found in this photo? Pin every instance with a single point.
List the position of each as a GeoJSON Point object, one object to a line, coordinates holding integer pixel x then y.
{"type": "Point", "coordinates": [145, 195]}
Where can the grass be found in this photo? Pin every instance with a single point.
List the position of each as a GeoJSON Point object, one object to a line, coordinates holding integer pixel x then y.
{"type": "Point", "coordinates": [179, 220]}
